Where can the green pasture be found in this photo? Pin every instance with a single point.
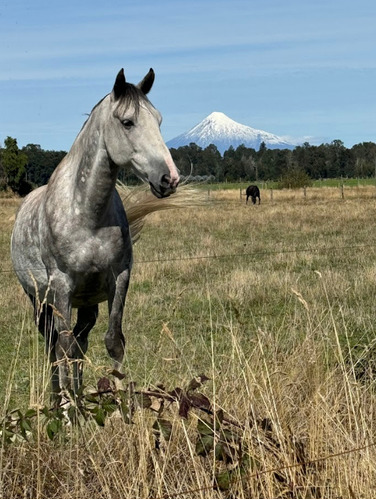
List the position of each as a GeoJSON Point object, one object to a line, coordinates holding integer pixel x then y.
{"type": "Point", "coordinates": [201, 272]}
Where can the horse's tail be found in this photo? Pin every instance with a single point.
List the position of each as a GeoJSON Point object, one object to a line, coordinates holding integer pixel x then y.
{"type": "Point", "coordinates": [140, 202]}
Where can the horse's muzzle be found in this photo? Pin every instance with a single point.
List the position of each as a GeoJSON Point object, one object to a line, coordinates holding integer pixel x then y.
{"type": "Point", "coordinates": [166, 186]}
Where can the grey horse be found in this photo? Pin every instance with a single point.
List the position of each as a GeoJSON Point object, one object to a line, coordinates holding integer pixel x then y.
{"type": "Point", "coordinates": [71, 246]}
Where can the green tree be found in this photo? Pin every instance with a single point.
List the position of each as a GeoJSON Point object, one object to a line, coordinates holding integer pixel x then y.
{"type": "Point", "coordinates": [294, 177]}
{"type": "Point", "coordinates": [14, 162]}
{"type": "Point", "coordinates": [41, 163]}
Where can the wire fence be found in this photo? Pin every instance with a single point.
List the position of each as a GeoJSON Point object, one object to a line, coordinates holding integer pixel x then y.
{"type": "Point", "coordinates": [305, 193]}
{"type": "Point", "coordinates": [246, 255]}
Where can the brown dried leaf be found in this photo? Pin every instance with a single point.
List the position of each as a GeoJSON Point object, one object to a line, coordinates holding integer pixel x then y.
{"type": "Point", "coordinates": [104, 385]}
{"type": "Point", "coordinates": [184, 407]}
{"type": "Point", "coordinates": [200, 401]}
{"type": "Point", "coordinates": [176, 393]}
{"type": "Point", "coordinates": [197, 382]}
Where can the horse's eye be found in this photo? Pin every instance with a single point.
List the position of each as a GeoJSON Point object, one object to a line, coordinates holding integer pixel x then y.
{"type": "Point", "coordinates": [127, 123]}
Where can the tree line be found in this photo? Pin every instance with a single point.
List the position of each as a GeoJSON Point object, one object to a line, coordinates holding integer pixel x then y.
{"type": "Point", "coordinates": [301, 165]}
{"type": "Point", "coordinates": [22, 169]}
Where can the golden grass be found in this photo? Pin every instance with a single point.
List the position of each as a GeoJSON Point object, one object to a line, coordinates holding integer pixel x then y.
{"type": "Point", "coordinates": [275, 303]}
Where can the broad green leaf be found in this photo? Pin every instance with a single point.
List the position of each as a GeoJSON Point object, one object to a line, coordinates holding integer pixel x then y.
{"type": "Point", "coordinates": [99, 416]}
{"type": "Point", "coordinates": [204, 445]}
{"type": "Point", "coordinates": [223, 479]}
{"type": "Point", "coordinates": [205, 428]}
{"type": "Point", "coordinates": [109, 407]}
{"type": "Point", "coordinates": [31, 413]}
{"type": "Point", "coordinates": [25, 425]}
{"type": "Point", "coordinates": [163, 426]}
{"type": "Point", "coordinates": [53, 427]}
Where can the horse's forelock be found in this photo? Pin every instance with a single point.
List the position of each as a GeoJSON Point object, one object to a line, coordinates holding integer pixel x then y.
{"type": "Point", "coordinates": [132, 96]}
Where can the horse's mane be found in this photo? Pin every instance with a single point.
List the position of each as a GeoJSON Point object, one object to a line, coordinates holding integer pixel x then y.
{"type": "Point", "coordinates": [140, 202]}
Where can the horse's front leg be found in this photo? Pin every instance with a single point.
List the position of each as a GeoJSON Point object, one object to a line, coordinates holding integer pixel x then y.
{"type": "Point", "coordinates": [114, 339]}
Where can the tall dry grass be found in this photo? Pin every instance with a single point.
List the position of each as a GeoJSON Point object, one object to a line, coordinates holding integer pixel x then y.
{"type": "Point", "coordinates": [275, 303]}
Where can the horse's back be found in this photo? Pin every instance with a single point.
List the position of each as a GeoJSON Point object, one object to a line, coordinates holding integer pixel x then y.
{"type": "Point", "coordinates": [253, 192]}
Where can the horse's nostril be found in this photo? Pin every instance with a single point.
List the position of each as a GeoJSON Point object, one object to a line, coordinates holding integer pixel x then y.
{"type": "Point", "coordinates": [168, 184]}
{"type": "Point", "coordinates": [166, 180]}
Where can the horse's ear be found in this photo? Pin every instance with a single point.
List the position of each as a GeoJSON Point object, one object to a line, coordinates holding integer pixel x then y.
{"type": "Point", "coordinates": [146, 84]}
{"type": "Point", "coordinates": [120, 85]}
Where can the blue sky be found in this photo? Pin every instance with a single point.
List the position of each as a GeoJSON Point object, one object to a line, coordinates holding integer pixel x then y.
{"type": "Point", "coordinates": [301, 69]}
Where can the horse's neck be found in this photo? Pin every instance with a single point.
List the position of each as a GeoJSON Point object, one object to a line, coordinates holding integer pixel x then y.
{"type": "Point", "coordinates": [94, 174]}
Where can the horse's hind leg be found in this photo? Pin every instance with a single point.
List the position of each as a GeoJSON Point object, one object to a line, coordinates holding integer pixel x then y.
{"type": "Point", "coordinates": [46, 326]}
{"type": "Point", "coordinates": [44, 319]}
{"type": "Point", "coordinates": [86, 319]}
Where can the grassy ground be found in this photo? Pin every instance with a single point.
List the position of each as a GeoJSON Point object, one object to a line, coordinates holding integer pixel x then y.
{"type": "Point", "coordinates": [332, 183]}
{"type": "Point", "coordinates": [275, 303]}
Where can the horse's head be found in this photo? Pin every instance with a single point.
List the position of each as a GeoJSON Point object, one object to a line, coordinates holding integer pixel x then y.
{"type": "Point", "coordinates": [133, 135]}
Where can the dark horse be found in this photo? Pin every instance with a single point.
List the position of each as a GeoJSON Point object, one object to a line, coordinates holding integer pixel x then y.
{"type": "Point", "coordinates": [253, 192]}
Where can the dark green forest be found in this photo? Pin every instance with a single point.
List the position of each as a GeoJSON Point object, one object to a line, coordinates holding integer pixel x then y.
{"type": "Point", "coordinates": [22, 169]}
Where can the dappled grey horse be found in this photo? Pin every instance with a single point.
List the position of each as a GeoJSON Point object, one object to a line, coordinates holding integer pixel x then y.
{"type": "Point", "coordinates": [71, 246]}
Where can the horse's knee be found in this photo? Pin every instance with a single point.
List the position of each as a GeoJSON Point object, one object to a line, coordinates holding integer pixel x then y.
{"type": "Point", "coordinates": [66, 346]}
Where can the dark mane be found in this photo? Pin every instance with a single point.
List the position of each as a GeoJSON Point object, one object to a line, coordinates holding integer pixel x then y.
{"type": "Point", "coordinates": [132, 97]}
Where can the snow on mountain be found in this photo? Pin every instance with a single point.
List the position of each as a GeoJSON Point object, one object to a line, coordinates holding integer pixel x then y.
{"type": "Point", "coordinates": [219, 129]}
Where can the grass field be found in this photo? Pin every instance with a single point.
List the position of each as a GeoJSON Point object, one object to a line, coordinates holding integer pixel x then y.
{"type": "Point", "coordinates": [275, 303]}
{"type": "Point", "coordinates": [317, 183]}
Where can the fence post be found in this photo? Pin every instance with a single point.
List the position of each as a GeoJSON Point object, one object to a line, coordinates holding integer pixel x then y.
{"type": "Point", "coordinates": [271, 194]}
{"type": "Point", "coordinates": [342, 192]}
{"type": "Point", "coordinates": [240, 195]}
{"type": "Point", "coordinates": [305, 193]}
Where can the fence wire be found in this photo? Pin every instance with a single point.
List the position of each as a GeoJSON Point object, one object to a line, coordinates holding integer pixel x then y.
{"type": "Point", "coordinates": [254, 255]}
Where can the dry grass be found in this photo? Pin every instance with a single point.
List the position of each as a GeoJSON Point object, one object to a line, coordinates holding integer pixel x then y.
{"type": "Point", "coordinates": [275, 303]}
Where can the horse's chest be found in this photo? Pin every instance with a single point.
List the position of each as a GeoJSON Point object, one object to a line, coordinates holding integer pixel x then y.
{"type": "Point", "coordinates": [108, 249]}
{"type": "Point", "coordinates": [87, 252]}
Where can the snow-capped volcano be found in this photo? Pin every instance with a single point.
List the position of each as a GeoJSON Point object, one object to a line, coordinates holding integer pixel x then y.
{"type": "Point", "coordinates": [220, 130]}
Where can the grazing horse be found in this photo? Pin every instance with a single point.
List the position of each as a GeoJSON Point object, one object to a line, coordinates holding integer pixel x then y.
{"type": "Point", "coordinates": [71, 245]}
{"type": "Point", "coordinates": [253, 192]}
